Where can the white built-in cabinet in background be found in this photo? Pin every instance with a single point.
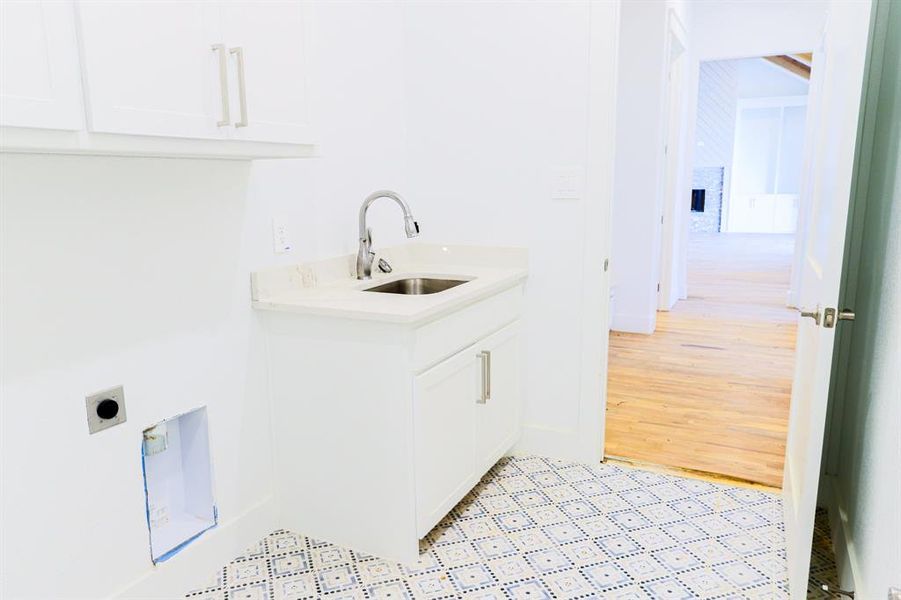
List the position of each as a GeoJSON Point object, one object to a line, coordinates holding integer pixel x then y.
{"type": "Point", "coordinates": [198, 78]}
{"type": "Point", "coordinates": [766, 165]}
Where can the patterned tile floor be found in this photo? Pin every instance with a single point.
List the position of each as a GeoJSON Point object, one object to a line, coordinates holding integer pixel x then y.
{"type": "Point", "coordinates": [535, 528]}
{"type": "Point", "coordinates": [822, 560]}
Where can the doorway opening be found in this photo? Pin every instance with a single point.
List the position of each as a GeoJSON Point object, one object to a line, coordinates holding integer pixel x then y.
{"type": "Point", "coordinates": [709, 389]}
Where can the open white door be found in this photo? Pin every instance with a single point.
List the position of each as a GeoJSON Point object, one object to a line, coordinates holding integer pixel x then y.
{"type": "Point", "coordinates": [836, 89]}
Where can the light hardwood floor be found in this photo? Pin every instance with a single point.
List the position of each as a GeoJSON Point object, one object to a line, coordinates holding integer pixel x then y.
{"type": "Point", "coordinates": [710, 389]}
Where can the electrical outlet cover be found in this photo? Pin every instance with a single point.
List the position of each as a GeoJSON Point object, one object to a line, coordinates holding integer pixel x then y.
{"type": "Point", "coordinates": [281, 239]}
{"type": "Point", "coordinates": [95, 421]}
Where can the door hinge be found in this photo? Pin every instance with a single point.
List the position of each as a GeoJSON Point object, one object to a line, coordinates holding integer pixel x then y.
{"type": "Point", "coordinates": [606, 264]}
{"type": "Point", "coordinates": [658, 287]}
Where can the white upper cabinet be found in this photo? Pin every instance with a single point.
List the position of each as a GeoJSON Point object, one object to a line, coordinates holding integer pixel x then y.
{"type": "Point", "coordinates": [267, 41]}
{"type": "Point", "coordinates": [159, 78]}
{"type": "Point", "coordinates": [150, 67]}
{"type": "Point", "coordinates": [39, 78]}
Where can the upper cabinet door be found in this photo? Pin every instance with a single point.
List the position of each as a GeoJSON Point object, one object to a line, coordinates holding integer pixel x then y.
{"type": "Point", "coordinates": [270, 89]}
{"type": "Point", "coordinates": [39, 76]}
{"type": "Point", "coordinates": [151, 69]}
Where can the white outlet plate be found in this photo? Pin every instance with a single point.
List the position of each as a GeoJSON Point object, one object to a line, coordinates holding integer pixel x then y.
{"type": "Point", "coordinates": [281, 239]}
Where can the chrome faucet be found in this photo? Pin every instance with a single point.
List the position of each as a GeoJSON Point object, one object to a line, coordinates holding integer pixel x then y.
{"type": "Point", "coordinates": [365, 255]}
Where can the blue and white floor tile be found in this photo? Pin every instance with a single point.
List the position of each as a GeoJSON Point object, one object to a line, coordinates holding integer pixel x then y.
{"type": "Point", "coordinates": [543, 529]}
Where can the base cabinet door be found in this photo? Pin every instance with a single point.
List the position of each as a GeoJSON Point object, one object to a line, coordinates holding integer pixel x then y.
{"type": "Point", "coordinates": [497, 413]}
{"type": "Point", "coordinates": [444, 400]}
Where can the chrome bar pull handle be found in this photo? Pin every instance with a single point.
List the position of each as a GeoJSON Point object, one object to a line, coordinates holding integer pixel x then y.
{"type": "Point", "coordinates": [238, 51]}
{"type": "Point", "coordinates": [485, 357]}
{"type": "Point", "coordinates": [488, 372]}
{"type": "Point", "coordinates": [223, 84]}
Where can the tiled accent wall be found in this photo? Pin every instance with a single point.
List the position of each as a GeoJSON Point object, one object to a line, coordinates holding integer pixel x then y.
{"type": "Point", "coordinates": [715, 135]}
{"type": "Point", "coordinates": [710, 179]}
{"type": "Point", "coordinates": [715, 127]}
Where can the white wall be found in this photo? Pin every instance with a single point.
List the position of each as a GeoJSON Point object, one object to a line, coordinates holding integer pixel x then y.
{"type": "Point", "coordinates": [759, 78]}
{"type": "Point", "coordinates": [747, 28]}
{"type": "Point", "coordinates": [119, 271]}
{"type": "Point", "coordinates": [497, 98]}
{"type": "Point", "coordinates": [136, 271]}
{"type": "Point", "coordinates": [638, 166]}
{"type": "Point", "coordinates": [359, 104]}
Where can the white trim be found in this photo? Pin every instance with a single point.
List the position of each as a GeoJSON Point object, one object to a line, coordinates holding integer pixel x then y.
{"type": "Point", "coordinates": [604, 20]}
{"type": "Point", "coordinates": [674, 133]}
{"type": "Point", "coordinates": [546, 441]}
{"type": "Point", "coordinates": [846, 559]}
{"type": "Point", "coordinates": [771, 101]}
{"type": "Point", "coordinates": [214, 548]}
{"type": "Point", "coordinates": [633, 323]}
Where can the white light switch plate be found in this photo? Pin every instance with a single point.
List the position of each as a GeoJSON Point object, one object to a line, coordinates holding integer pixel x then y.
{"type": "Point", "coordinates": [281, 240]}
{"type": "Point", "coordinates": [567, 183]}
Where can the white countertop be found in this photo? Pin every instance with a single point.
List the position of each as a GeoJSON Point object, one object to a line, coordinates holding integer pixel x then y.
{"type": "Point", "coordinates": [330, 288]}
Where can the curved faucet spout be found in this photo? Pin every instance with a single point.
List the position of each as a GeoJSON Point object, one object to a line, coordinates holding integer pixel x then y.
{"type": "Point", "coordinates": [365, 254]}
{"type": "Point", "coordinates": [410, 225]}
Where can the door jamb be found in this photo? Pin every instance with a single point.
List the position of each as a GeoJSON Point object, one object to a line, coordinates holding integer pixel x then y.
{"type": "Point", "coordinates": [673, 138]}
{"type": "Point", "coordinates": [598, 205]}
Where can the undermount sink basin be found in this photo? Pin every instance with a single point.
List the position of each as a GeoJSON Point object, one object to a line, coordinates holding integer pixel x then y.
{"type": "Point", "coordinates": [416, 286]}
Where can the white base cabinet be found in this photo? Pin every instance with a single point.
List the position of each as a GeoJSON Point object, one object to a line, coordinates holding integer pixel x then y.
{"type": "Point", "coordinates": [381, 428]}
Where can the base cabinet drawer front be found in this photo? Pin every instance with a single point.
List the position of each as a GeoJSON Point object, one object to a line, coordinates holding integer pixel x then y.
{"type": "Point", "coordinates": [39, 72]}
{"type": "Point", "coordinates": [450, 334]}
{"type": "Point", "coordinates": [467, 415]}
{"type": "Point", "coordinates": [498, 415]}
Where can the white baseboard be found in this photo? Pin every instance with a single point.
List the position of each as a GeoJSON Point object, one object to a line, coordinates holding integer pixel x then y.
{"type": "Point", "coordinates": [544, 441]}
{"type": "Point", "coordinates": [632, 323]}
{"type": "Point", "coordinates": [846, 558]}
{"type": "Point", "coordinates": [192, 566]}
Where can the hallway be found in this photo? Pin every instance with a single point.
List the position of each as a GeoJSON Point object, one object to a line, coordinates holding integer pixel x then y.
{"type": "Point", "coordinates": [710, 389]}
